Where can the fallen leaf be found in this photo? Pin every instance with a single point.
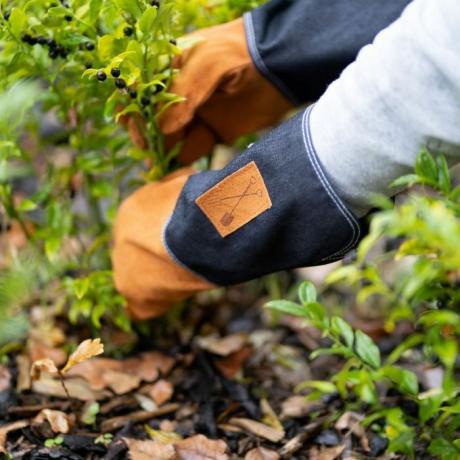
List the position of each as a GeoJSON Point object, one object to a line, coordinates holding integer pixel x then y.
{"type": "Point", "coordinates": [260, 453]}
{"type": "Point", "coordinates": [330, 453]}
{"type": "Point", "coordinates": [147, 366]}
{"type": "Point", "coordinates": [120, 382]}
{"type": "Point", "coordinates": [270, 418]}
{"type": "Point", "coordinates": [5, 429]}
{"type": "Point", "coordinates": [42, 365]}
{"type": "Point", "coordinates": [145, 402]}
{"type": "Point", "coordinates": [38, 350]}
{"type": "Point", "coordinates": [161, 392]}
{"type": "Point", "coordinates": [224, 346]}
{"type": "Point", "coordinates": [165, 437]}
{"type": "Point", "coordinates": [5, 378]}
{"type": "Point", "coordinates": [259, 429]}
{"type": "Point", "coordinates": [114, 423]}
{"type": "Point", "coordinates": [59, 421]}
{"type": "Point", "coordinates": [149, 450]}
{"type": "Point", "coordinates": [77, 388]}
{"type": "Point", "coordinates": [199, 447]}
{"type": "Point", "coordinates": [86, 350]}
{"type": "Point", "coordinates": [298, 407]}
{"type": "Point", "coordinates": [24, 379]}
{"type": "Point", "coordinates": [351, 421]}
{"type": "Point", "coordinates": [231, 365]}
{"type": "Point", "coordinates": [168, 425]}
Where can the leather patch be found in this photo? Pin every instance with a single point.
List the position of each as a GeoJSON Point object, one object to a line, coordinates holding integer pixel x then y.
{"type": "Point", "coordinates": [236, 200]}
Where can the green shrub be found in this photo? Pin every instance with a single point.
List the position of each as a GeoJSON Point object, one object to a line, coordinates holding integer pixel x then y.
{"type": "Point", "coordinates": [68, 71]}
{"type": "Point", "coordinates": [424, 291]}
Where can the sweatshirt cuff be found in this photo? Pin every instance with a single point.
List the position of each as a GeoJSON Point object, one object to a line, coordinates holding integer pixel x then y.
{"type": "Point", "coordinates": [273, 208]}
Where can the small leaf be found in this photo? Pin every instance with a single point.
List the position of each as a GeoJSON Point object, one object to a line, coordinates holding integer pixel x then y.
{"type": "Point", "coordinates": [307, 292]}
{"type": "Point", "coordinates": [286, 306]}
{"type": "Point", "coordinates": [367, 350]}
{"type": "Point", "coordinates": [406, 181]}
{"type": "Point", "coordinates": [131, 108]}
{"type": "Point", "coordinates": [444, 180]}
{"type": "Point", "coordinates": [147, 19]}
{"type": "Point", "coordinates": [18, 21]}
{"type": "Point", "coordinates": [27, 205]}
{"type": "Point", "coordinates": [84, 351]}
{"type": "Point", "coordinates": [342, 328]}
{"type": "Point", "coordinates": [425, 167]}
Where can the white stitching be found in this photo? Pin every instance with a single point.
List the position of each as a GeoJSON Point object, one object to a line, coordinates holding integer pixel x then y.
{"type": "Point", "coordinates": [312, 156]}
{"type": "Point", "coordinates": [254, 51]}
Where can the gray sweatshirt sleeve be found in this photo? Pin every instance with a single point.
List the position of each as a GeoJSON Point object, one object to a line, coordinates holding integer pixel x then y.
{"type": "Point", "coordinates": [402, 93]}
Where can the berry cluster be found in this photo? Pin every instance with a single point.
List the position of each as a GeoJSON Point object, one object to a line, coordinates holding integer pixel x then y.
{"type": "Point", "coordinates": [55, 50]}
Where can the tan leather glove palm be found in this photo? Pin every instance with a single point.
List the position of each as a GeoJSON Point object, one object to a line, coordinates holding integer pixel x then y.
{"type": "Point", "coordinates": [143, 270]}
{"type": "Point", "coordinates": [226, 96]}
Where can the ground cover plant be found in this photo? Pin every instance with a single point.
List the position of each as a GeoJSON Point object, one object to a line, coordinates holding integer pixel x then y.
{"type": "Point", "coordinates": [364, 365]}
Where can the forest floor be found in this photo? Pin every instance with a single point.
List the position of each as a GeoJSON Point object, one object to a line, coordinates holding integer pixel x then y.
{"type": "Point", "coordinates": [220, 383]}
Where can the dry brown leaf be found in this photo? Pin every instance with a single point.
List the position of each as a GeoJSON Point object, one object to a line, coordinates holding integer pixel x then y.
{"type": "Point", "coordinates": [351, 421]}
{"type": "Point", "coordinates": [77, 388]}
{"type": "Point", "coordinates": [59, 421]}
{"type": "Point", "coordinates": [24, 380]}
{"type": "Point", "coordinates": [5, 429]}
{"type": "Point", "coordinates": [5, 378]}
{"type": "Point", "coordinates": [38, 351]}
{"type": "Point", "coordinates": [270, 418]}
{"type": "Point", "coordinates": [199, 447]}
{"type": "Point", "coordinates": [260, 453]}
{"type": "Point", "coordinates": [231, 365]}
{"type": "Point", "coordinates": [161, 392]}
{"type": "Point", "coordinates": [298, 407]}
{"type": "Point", "coordinates": [331, 453]}
{"type": "Point", "coordinates": [224, 346]}
{"type": "Point", "coordinates": [259, 429]}
{"type": "Point", "coordinates": [147, 366]}
{"type": "Point", "coordinates": [149, 450]}
{"type": "Point", "coordinates": [42, 365]}
{"type": "Point", "coordinates": [86, 350]}
{"type": "Point", "coordinates": [120, 382]}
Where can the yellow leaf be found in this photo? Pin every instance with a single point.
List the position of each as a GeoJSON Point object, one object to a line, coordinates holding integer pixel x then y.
{"type": "Point", "coordinates": [84, 351]}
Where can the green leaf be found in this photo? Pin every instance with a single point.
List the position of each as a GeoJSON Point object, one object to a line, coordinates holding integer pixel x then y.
{"type": "Point", "coordinates": [130, 6]}
{"type": "Point", "coordinates": [343, 329]}
{"type": "Point", "coordinates": [18, 21]}
{"type": "Point", "coordinates": [367, 350]}
{"type": "Point", "coordinates": [429, 407]}
{"type": "Point", "coordinates": [27, 205]}
{"type": "Point", "coordinates": [425, 166]}
{"type": "Point", "coordinates": [444, 448]}
{"type": "Point", "coordinates": [307, 292]}
{"type": "Point", "coordinates": [320, 385]}
{"type": "Point", "coordinates": [444, 180]}
{"type": "Point", "coordinates": [105, 46]}
{"type": "Point", "coordinates": [94, 9]}
{"type": "Point", "coordinates": [131, 108]}
{"type": "Point", "coordinates": [286, 306]}
{"type": "Point", "coordinates": [80, 287]}
{"type": "Point", "coordinates": [147, 19]}
{"type": "Point", "coordinates": [406, 181]}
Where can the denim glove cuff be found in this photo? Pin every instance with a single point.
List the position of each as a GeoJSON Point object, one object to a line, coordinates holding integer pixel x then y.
{"type": "Point", "coordinates": [272, 208]}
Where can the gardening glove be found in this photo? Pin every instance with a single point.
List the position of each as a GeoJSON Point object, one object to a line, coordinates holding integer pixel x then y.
{"type": "Point", "coordinates": [150, 279]}
{"type": "Point", "coordinates": [244, 77]}
{"type": "Point", "coordinates": [225, 95]}
{"type": "Point", "coordinates": [299, 196]}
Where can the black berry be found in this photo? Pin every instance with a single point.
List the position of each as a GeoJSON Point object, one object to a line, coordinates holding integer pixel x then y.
{"type": "Point", "coordinates": [89, 46]}
{"type": "Point", "coordinates": [51, 43]}
{"type": "Point", "coordinates": [157, 89]}
{"type": "Point", "coordinates": [88, 65]}
{"type": "Point", "coordinates": [53, 53]}
{"type": "Point", "coordinates": [120, 83]}
{"type": "Point", "coordinates": [133, 94]}
{"type": "Point", "coordinates": [101, 75]}
{"type": "Point", "coordinates": [115, 72]}
{"type": "Point", "coordinates": [26, 38]}
{"type": "Point", "coordinates": [68, 17]}
{"type": "Point", "coordinates": [173, 41]}
{"type": "Point", "coordinates": [41, 40]}
{"type": "Point", "coordinates": [155, 3]}
{"type": "Point", "coordinates": [6, 15]}
{"type": "Point", "coordinates": [145, 100]}
{"type": "Point", "coordinates": [128, 31]}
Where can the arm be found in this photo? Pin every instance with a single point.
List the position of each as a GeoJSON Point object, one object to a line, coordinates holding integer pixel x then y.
{"type": "Point", "coordinates": [297, 195]}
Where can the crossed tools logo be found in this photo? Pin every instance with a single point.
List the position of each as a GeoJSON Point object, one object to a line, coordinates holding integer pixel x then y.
{"type": "Point", "coordinates": [236, 200]}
